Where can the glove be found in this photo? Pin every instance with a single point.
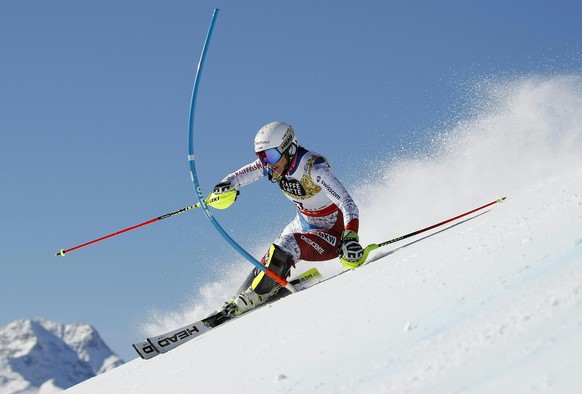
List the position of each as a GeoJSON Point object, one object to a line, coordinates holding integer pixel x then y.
{"type": "Point", "coordinates": [222, 187]}
{"type": "Point", "coordinates": [351, 252]}
{"type": "Point", "coordinates": [223, 196]}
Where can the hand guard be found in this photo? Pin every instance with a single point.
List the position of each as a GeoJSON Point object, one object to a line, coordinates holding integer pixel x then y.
{"type": "Point", "coordinates": [351, 252]}
{"type": "Point", "coordinates": [223, 196]}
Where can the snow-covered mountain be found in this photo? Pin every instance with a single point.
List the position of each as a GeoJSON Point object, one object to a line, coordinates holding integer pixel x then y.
{"type": "Point", "coordinates": [43, 356]}
{"type": "Point", "coordinates": [492, 304]}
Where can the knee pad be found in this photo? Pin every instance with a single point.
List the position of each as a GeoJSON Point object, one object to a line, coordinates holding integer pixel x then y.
{"type": "Point", "coordinates": [277, 261]}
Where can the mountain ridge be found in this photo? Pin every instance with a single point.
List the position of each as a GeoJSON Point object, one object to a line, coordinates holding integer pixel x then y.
{"type": "Point", "coordinates": [36, 351]}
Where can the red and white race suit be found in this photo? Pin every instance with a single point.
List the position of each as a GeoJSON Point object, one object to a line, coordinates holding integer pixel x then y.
{"type": "Point", "coordinates": [324, 207]}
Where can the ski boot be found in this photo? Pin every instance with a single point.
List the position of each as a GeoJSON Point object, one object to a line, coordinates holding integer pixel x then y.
{"type": "Point", "coordinates": [258, 288]}
{"type": "Point", "coordinates": [246, 301]}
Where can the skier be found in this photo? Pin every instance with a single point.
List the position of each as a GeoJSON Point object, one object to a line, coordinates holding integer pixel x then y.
{"type": "Point", "coordinates": [326, 224]}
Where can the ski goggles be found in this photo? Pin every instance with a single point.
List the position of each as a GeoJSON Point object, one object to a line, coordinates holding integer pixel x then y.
{"type": "Point", "coordinates": [269, 156]}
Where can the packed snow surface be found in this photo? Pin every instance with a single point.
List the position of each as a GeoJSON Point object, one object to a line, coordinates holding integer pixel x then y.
{"type": "Point", "coordinates": [492, 304]}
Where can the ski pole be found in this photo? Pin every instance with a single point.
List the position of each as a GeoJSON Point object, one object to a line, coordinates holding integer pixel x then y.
{"type": "Point", "coordinates": [372, 247]}
{"type": "Point", "coordinates": [217, 201]}
{"type": "Point", "coordinates": [63, 251]}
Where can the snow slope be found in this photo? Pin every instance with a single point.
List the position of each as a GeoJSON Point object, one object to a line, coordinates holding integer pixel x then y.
{"type": "Point", "coordinates": [489, 304]}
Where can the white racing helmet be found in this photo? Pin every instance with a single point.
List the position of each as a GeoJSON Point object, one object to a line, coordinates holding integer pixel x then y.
{"type": "Point", "coordinates": [275, 140]}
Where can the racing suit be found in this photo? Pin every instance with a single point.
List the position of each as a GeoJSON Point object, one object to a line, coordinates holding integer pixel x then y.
{"type": "Point", "coordinates": [324, 207]}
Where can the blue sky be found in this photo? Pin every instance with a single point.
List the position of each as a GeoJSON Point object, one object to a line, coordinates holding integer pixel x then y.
{"type": "Point", "coordinates": [93, 130]}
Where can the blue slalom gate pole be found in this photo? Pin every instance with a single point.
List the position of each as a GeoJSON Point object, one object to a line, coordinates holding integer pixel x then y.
{"type": "Point", "coordinates": [192, 161]}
